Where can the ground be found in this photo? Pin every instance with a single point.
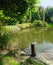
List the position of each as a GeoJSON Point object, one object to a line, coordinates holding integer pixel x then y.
{"type": "Point", "coordinates": [9, 59]}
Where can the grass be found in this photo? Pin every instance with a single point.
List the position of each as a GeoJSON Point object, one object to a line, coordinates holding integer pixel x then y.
{"type": "Point", "coordinates": [50, 25]}
{"type": "Point", "coordinates": [8, 60]}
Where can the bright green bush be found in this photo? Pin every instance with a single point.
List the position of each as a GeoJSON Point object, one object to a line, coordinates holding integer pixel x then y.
{"type": "Point", "coordinates": [7, 20]}
{"type": "Point", "coordinates": [38, 23]}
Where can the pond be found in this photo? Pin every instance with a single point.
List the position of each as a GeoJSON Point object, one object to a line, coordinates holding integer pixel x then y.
{"type": "Point", "coordinates": [41, 37]}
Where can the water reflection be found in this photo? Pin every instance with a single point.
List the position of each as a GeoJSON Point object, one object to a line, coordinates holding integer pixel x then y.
{"type": "Point", "coordinates": [43, 37]}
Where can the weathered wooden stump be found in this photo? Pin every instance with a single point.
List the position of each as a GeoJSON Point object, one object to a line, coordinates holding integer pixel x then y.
{"type": "Point", "coordinates": [33, 52]}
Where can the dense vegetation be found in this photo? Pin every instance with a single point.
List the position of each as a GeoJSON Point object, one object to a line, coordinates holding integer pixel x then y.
{"type": "Point", "coordinates": [12, 11]}
{"type": "Point", "coordinates": [49, 15]}
{"type": "Point", "coordinates": [20, 11]}
{"type": "Point", "coordinates": [21, 14]}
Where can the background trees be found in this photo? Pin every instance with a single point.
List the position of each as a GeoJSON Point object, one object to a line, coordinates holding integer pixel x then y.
{"type": "Point", "coordinates": [49, 15]}
{"type": "Point", "coordinates": [14, 11]}
{"type": "Point", "coordinates": [19, 11]}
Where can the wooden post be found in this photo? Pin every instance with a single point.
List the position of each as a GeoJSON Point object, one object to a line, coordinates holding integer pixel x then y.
{"type": "Point", "coordinates": [33, 52]}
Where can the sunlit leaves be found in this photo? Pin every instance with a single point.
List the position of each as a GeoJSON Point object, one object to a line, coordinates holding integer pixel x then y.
{"type": "Point", "coordinates": [13, 8]}
{"type": "Point", "coordinates": [16, 10]}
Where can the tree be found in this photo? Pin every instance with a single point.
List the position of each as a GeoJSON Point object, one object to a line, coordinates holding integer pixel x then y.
{"type": "Point", "coordinates": [41, 11]}
{"type": "Point", "coordinates": [32, 10]}
{"type": "Point", "coordinates": [13, 8]}
{"type": "Point", "coordinates": [17, 10]}
{"type": "Point", "coordinates": [49, 14]}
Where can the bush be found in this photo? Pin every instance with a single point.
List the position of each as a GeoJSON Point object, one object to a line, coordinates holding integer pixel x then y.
{"type": "Point", "coordinates": [38, 23]}
{"type": "Point", "coordinates": [6, 20]}
{"type": "Point", "coordinates": [7, 38]}
{"type": "Point", "coordinates": [4, 37]}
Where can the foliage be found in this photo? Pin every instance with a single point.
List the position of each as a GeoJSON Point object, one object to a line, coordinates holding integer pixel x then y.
{"type": "Point", "coordinates": [41, 11]}
{"type": "Point", "coordinates": [50, 25]}
{"type": "Point", "coordinates": [39, 23]}
{"type": "Point", "coordinates": [33, 8]}
{"type": "Point", "coordinates": [6, 20]}
{"type": "Point", "coordinates": [7, 36]}
{"type": "Point", "coordinates": [35, 16]}
{"type": "Point", "coordinates": [4, 37]}
{"type": "Point", "coordinates": [49, 15]}
{"type": "Point", "coordinates": [8, 60]}
{"type": "Point", "coordinates": [13, 9]}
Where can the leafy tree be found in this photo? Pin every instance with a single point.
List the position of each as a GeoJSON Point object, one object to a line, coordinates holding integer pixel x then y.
{"type": "Point", "coordinates": [13, 8]}
{"type": "Point", "coordinates": [41, 11]}
{"type": "Point", "coordinates": [49, 15]}
{"type": "Point", "coordinates": [17, 10]}
{"type": "Point", "coordinates": [32, 10]}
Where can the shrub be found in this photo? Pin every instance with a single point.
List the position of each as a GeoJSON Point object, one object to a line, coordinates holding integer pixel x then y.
{"type": "Point", "coordinates": [4, 37]}
{"type": "Point", "coordinates": [8, 37]}
{"type": "Point", "coordinates": [38, 23]}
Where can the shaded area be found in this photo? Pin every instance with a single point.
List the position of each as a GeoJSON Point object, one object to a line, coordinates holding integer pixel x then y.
{"type": "Point", "coordinates": [1, 63]}
{"type": "Point", "coordinates": [33, 61]}
{"type": "Point", "coordinates": [11, 11]}
{"type": "Point", "coordinates": [12, 7]}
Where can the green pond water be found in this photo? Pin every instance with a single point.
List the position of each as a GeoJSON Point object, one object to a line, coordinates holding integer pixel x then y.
{"type": "Point", "coordinates": [41, 37]}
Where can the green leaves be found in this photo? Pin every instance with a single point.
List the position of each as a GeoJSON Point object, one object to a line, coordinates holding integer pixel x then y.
{"type": "Point", "coordinates": [49, 15]}
{"type": "Point", "coordinates": [11, 7]}
{"type": "Point", "coordinates": [16, 10]}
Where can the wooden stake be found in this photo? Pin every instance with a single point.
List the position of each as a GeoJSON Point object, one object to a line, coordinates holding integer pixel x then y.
{"type": "Point", "coordinates": [33, 52]}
